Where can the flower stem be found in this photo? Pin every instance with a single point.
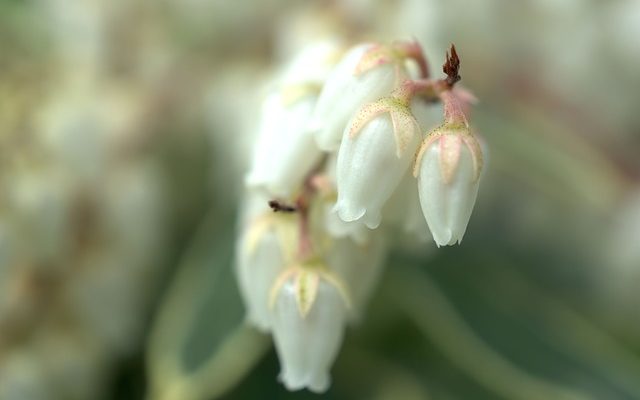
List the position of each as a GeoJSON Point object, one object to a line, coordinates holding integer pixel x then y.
{"type": "Point", "coordinates": [453, 110]}
{"type": "Point", "coordinates": [305, 246]}
{"type": "Point", "coordinates": [413, 51]}
{"type": "Point", "coordinates": [310, 189]}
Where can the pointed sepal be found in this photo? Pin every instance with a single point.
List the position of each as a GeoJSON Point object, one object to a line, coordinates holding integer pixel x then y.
{"type": "Point", "coordinates": [405, 126]}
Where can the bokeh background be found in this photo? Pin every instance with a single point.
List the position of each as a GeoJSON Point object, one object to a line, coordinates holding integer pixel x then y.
{"type": "Point", "coordinates": [125, 129]}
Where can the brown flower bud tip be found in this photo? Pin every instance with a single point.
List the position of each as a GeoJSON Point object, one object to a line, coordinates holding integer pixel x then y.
{"type": "Point", "coordinates": [277, 206]}
{"type": "Point", "coordinates": [451, 67]}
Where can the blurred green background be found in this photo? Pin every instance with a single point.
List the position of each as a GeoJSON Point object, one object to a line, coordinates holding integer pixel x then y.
{"type": "Point", "coordinates": [125, 129]}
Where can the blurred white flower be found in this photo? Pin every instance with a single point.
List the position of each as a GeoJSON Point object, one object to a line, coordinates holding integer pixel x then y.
{"type": "Point", "coordinates": [263, 252]}
{"type": "Point", "coordinates": [312, 64]}
{"type": "Point", "coordinates": [285, 150]}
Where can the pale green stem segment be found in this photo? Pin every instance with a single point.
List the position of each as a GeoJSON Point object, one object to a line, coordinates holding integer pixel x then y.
{"type": "Point", "coordinates": [239, 351]}
{"type": "Point", "coordinates": [233, 361]}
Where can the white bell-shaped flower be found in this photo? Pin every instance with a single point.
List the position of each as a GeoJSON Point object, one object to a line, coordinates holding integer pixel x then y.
{"type": "Point", "coordinates": [448, 167]}
{"type": "Point", "coordinates": [265, 249]}
{"type": "Point", "coordinates": [377, 149]}
{"type": "Point", "coordinates": [309, 311]}
{"type": "Point", "coordinates": [365, 74]}
{"type": "Point", "coordinates": [285, 150]}
{"type": "Point", "coordinates": [253, 204]}
{"type": "Point", "coordinates": [312, 64]}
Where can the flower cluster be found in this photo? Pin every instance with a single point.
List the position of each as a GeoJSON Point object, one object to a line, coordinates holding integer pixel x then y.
{"type": "Point", "coordinates": [340, 153]}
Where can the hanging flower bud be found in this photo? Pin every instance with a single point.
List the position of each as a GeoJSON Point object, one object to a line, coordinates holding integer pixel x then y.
{"type": "Point", "coordinates": [263, 252]}
{"type": "Point", "coordinates": [448, 166]}
{"type": "Point", "coordinates": [309, 309]}
{"type": "Point", "coordinates": [376, 150]}
{"type": "Point", "coordinates": [367, 73]}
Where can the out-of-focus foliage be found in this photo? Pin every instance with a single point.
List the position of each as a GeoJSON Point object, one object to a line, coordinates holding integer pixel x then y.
{"type": "Point", "coordinates": [125, 127]}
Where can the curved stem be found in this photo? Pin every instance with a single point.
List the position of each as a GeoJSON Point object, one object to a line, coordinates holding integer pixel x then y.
{"type": "Point", "coordinates": [413, 51]}
{"type": "Point", "coordinates": [428, 89]}
{"type": "Point", "coordinates": [453, 110]}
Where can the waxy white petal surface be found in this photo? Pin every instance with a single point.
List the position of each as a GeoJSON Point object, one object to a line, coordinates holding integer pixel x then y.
{"type": "Point", "coordinates": [307, 346]}
{"type": "Point", "coordinates": [344, 93]}
{"type": "Point", "coordinates": [368, 171]}
{"type": "Point", "coordinates": [447, 192]}
{"type": "Point", "coordinates": [285, 151]}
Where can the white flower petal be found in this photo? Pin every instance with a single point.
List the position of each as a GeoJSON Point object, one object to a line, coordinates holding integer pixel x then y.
{"type": "Point", "coordinates": [333, 225]}
{"type": "Point", "coordinates": [447, 206]}
{"type": "Point", "coordinates": [285, 151]}
{"type": "Point", "coordinates": [368, 171]}
{"type": "Point", "coordinates": [252, 205]}
{"type": "Point", "coordinates": [307, 347]}
{"type": "Point", "coordinates": [344, 94]}
{"type": "Point", "coordinates": [313, 63]}
{"type": "Point", "coordinates": [258, 271]}
{"type": "Point", "coordinates": [262, 253]}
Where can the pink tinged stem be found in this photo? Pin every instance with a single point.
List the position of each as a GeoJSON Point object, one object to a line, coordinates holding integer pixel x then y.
{"type": "Point", "coordinates": [305, 246]}
{"type": "Point", "coordinates": [429, 89]}
{"type": "Point", "coordinates": [453, 110]}
{"type": "Point", "coordinates": [405, 92]}
{"type": "Point", "coordinates": [413, 51]}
